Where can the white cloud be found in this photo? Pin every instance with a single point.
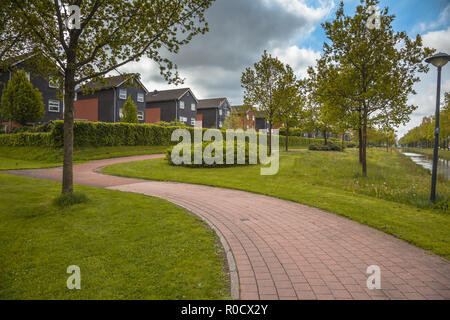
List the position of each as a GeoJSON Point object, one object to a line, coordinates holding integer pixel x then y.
{"type": "Point", "coordinates": [298, 59]}
{"type": "Point", "coordinates": [240, 30]}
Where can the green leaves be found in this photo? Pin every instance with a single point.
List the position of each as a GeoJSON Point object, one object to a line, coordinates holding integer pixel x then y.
{"type": "Point", "coordinates": [21, 102]}
{"type": "Point", "coordinates": [129, 112]}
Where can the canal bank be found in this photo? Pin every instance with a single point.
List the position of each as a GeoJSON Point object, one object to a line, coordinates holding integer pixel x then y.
{"type": "Point", "coordinates": [424, 158]}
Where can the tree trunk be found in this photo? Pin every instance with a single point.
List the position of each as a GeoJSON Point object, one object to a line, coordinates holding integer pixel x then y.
{"type": "Point", "coordinates": [364, 146]}
{"type": "Point", "coordinates": [287, 137]}
{"type": "Point", "coordinates": [270, 137]}
{"type": "Point", "coordinates": [360, 144]}
{"type": "Point", "coordinates": [69, 88]}
{"type": "Point", "coordinates": [325, 136]}
{"type": "Point", "coordinates": [342, 140]}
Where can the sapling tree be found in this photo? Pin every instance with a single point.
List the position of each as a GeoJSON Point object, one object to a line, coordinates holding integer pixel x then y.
{"type": "Point", "coordinates": [129, 112]}
{"type": "Point", "coordinates": [370, 70]}
{"type": "Point", "coordinates": [21, 102]}
{"type": "Point", "coordinates": [86, 39]}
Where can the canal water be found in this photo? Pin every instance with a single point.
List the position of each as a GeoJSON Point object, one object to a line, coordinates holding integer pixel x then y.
{"type": "Point", "coordinates": [426, 161]}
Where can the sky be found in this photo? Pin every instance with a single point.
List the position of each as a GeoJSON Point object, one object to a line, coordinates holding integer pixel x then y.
{"type": "Point", "coordinates": [240, 30]}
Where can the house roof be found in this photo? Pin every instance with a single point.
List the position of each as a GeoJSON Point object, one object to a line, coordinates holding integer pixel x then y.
{"type": "Point", "coordinates": [211, 103]}
{"type": "Point", "coordinates": [167, 95]}
{"type": "Point", "coordinates": [112, 82]}
{"type": "Point", "coordinates": [240, 108]}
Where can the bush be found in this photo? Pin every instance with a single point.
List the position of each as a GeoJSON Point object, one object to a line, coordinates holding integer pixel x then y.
{"type": "Point", "coordinates": [21, 102]}
{"type": "Point", "coordinates": [70, 199]}
{"type": "Point", "coordinates": [214, 165]}
{"type": "Point", "coordinates": [22, 129]}
{"type": "Point", "coordinates": [27, 139]}
{"type": "Point", "coordinates": [129, 112]}
{"type": "Point", "coordinates": [351, 145]}
{"type": "Point", "coordinates": [325, 147]}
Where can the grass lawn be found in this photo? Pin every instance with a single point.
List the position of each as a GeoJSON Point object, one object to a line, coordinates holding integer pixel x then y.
{"type": "Point", "coordinates": [36, 157]}
{"type": "Point", "coordinates": [128, 246]}
{"type": "Point", "coordinates": [444, 154]}
{"type": "Point", "coordinates": [394, 198]}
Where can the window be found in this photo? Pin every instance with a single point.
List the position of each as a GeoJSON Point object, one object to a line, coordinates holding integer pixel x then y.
{"type": "Point", "coordinates": [140, 115]}
{"type": "Point", "coordinates": [53, 105]}
{"type": "Point", "coordinates": [183, 119]}
{"type": "Point", "coordinates": [123, 94]}
{"type": "Point", "coordinates": [140, 97]}
{"type": "Point", "coordinates": [192, 106]}
{"type": "Point", "coordinates": [120, 113]}
{"type": "Point", "coordinates": [220, 112]}
{"type": "Point", "coordinates": [193, 122]}
{"type": "Point", "coordinates": [53, 83]}
{"type": "Point", "coordinates": [253, 118]}
{"type": "Point", "coordinates": [181, 104]}
{"type": "Point", "coordinates": [220, 124]}
{"type": "Point", "coordinates": [247, 117]}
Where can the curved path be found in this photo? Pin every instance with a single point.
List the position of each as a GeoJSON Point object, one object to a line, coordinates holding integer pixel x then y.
{"type": "Point", "coordinates": [285, 250]}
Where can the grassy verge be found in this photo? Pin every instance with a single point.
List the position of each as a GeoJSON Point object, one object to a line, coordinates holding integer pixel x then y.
{"type": "Point", "coordinates": [128, 246]}
{"type": "Point", "coordinates": [394, 198]}
{"type": "Point", "coordinates": [37, 157]}
{"type": "Point", "coordinates": [444, 154]}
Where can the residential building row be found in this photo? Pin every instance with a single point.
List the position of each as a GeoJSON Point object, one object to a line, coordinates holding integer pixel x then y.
{"type": "Point", "coordinates": [103, 102]}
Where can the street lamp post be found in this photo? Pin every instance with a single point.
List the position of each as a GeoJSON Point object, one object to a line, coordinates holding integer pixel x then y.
{"type": "Point", "coordinates": [438, 60]}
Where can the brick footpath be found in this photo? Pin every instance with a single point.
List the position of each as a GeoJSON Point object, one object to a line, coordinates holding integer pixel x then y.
{"type": "Point", "coordinates": [285, 250]}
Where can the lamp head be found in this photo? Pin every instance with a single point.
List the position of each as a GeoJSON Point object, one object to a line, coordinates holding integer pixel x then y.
{"type": "Point", "coordinates": [439, 59]}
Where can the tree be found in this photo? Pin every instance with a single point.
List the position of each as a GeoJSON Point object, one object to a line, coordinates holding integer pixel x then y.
{"type": "Point", "coordinates": [101, 36]}
{"type": "Point", "coordinates": [21, 102]}
{"type": "Point", "coordinates": [129, 112]}
{"type": "Point", "coordinates": [233, 120]}
{"type": "Point", "coordinates": [370, 71]}
{"type": "Point", "coordinates": [290, 100]}
{"type": "Point", "coordinates": [260, 85]}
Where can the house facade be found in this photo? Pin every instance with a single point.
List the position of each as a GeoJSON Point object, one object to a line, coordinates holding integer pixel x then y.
{"type": "Point", "coordinates": [106, 101]}
{"type": "Point", "coordinates": [247, 117]}
{"type": "Point", "coordinates": [53, 103]}
{"type": "Point", "coordinates": [171, 105]}
{"type": "Point", "coordinates": [213, 112]}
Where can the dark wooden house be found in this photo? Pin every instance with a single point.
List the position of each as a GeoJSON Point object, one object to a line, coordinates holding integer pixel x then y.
{"type": "Point", "coordinates": [53, 104]}
{"type": "Point", "coordinates": [171, 105]}
{"type": "Point", "coordinates": [213, 112]}
{"type": "Point", "coordinates": [106, 101]}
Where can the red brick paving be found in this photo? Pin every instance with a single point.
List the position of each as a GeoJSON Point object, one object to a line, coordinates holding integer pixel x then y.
{"type": "Point", "coordinates": [285, 250]}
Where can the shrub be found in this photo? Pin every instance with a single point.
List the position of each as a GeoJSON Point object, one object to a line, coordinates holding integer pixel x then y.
{"type": "Point", "coordinates": [214, 165]}
{"type": "Point", "coordinates": [129, 112]}
{"type": "Point", "coordinates": [22, 129]}
{"type": "Point", "coordinates": [21, 102]}
{"type": "Point", "coordinates": [325, 147]}
{"type": "Point", "coordinates": [27, 139]}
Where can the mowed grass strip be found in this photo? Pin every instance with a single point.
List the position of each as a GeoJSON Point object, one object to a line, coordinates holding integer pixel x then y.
{"type": "Point", "coordinates": [393, 198]}
{"type": "Point", "coordinates": [13, 158]}
{"type": "Point", "coordinates": [128, 246]}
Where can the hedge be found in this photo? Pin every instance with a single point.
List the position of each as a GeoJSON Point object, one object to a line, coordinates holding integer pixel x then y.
{"type": "Point", "coordinates": [215, 165]}
{"type": "Point", "coordinates": [27, 139]}
{"type": "Point", "coordinates": [97, 134]}
{"type": "Point", "coordinates": [325, 147]}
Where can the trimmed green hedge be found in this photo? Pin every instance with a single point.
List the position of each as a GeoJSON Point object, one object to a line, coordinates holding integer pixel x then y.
{"type": "Point", "coordinates": [325, 147]}
{"type": "Point", "coordinates": [97, 134]}
{"type": "Point", "coordinates": [214, 165]}
{"type": "Point", "coordinates": [27, 139]}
